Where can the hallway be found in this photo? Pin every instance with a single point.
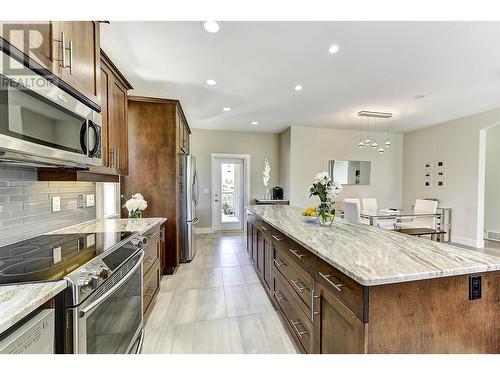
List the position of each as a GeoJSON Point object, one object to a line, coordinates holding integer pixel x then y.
{"type": "Point", "coordinates": [215, 304]}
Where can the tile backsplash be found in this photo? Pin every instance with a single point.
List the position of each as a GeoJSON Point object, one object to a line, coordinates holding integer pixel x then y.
{"type": "Point", "coordinates": [26, 204]}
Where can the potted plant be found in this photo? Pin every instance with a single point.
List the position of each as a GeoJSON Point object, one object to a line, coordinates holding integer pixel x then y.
{"type": "Point", "coordinates": [326, 190]}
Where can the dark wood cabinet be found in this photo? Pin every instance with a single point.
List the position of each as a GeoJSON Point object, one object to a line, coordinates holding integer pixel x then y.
{"type": "Point", "coordinates": [260, 252]}
{"type": "Point", "coordinates": [82, 55]}
{"type": "Point", "coordinates": [154, 166]}
{"type": "Point", "coordinates": [114, 129]}
{"type": "Point", "coordinates": [151, 268]}
{"type": "Point", "coordinates": [34, 39]}
{"type": "Point", "coordinates": [268, 254]}
{"type": "Point", "coordinates": [338, 330]}
{"type": "Point", "coordinates": [67, 49]}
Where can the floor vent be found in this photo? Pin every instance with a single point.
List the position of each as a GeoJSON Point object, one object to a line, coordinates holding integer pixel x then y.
{"type": "Point", "coordinates": [493, 236]}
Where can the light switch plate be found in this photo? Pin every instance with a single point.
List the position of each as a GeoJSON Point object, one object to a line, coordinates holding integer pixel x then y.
{"type": "Point", "coordinates": [90, 200]}
{"type": "Point", "coordinates": [56, 204]}
{"type": "Point", "coordinates": [205, 190]}
{"type": "Point", "coordinates": [56, 254]}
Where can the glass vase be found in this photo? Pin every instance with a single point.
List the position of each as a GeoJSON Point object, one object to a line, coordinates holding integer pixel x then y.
{"type": "Point", "coordinates": [324, 213]}
{"type": "Point", "coordinates": [135, 214]}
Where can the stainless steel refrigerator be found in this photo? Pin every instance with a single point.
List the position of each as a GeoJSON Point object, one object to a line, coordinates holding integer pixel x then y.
{"type": "Point", "coordinates": [190, 193]}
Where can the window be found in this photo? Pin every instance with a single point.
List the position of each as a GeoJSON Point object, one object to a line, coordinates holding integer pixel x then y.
{"type": "Point", "coordinates": [108, 194]}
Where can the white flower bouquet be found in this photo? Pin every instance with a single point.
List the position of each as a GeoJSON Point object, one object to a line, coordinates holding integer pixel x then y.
{"type": "Point", "coordinates": [135, 205]}
{"type": "Point", "coordinates": [326, 189]}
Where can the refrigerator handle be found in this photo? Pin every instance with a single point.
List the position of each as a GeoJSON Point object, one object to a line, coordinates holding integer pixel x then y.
{"type": "Point", "coordinates": [196, 188]}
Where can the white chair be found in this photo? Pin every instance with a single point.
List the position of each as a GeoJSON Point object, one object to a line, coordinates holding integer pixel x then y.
{"type": "Point", "coordinates": [354, 200]}
{"type": "Point", "coordinates": [369, 204]}
{"type": "Point", "coordinates": [351, 211]}
{"type": "Point", "coordinates": [422, 206]}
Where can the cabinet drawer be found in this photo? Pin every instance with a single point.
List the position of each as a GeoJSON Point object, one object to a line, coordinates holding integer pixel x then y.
{"type": "Point", "coordinates": [297, 320]}
{"type": "Point", "coordinates": [298, 253]}
{"type": "Point", "coordinates": [151, 252]}
{"type": "Point", "coordinates": [299, 280]}
{"type": "Point", "coordinates": [151, 284]}
{"type": "Point", "coordinates": [345, 289]}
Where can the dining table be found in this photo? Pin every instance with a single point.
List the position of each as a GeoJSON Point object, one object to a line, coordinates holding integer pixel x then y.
{"type": "Point", "coordinates": [403, 215]}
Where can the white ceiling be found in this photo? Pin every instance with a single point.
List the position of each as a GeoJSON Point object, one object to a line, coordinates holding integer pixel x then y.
{"type": "Point", "coordinates": [381, 66]}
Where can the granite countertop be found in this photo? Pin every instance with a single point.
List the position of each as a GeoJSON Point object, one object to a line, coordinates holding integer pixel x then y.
{"type": "Point", "coordinates": [374, 256]}
{"type": "Point", "coordinates": [113, 225]}
{"type": "Point", "coordinates": [17, 301]}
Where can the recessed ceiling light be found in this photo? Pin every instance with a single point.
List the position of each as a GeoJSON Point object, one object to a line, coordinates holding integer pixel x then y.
{"type": "Point", "coordinates": [211, 82]}
{"type": "Point", "coordinates": [255, 123]}
{"type": "Point", "coordinates": [226, 109]}
{"type": "Point", "coordinates": [333, 49]}
{"type": "Point", "coordinates": [210, 26]}
{"type": "Point", "coordinates": [298, 87]}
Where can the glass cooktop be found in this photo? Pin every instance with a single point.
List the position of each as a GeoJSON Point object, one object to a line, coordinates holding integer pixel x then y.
{"type": "Point", "coordinates": [52, 256]}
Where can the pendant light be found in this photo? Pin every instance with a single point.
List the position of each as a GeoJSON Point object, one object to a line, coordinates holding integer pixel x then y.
{"type": "Point", "coordinates": [361, 143]}
{"type": "Point", "coordinates": [374, 131]}
{"type": "Point", "coordinates": [374, 143]}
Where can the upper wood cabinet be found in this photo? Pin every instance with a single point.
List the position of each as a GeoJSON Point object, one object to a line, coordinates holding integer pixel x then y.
{"type": "Point", "coordinates": [183, 132]}
{"type": "Point", "coordinates": [67, 49]}
{"type": "Point", "coordinates": [114, 129]}
{"type": "Point", "coordinates": [33, 39]}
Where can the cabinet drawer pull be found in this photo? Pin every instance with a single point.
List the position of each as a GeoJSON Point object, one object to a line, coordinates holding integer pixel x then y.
{"type": "Point", "coordinates": [313, 297]}
{"type": "Point", "coordinates": [337, 286]}
{"type": "Point", "coordinates": [297, 254]}
{"type": "Point", "coordinates": [150, 260]}
{"type": "Point", "coordinates": [264, 228]}
{"type": "Point", "coordinates": [278, 263]}
{"type": "Point", "coordinates": [278, 238]}
{"type": "Point", "coordinates": [70, 57]}
{"type": "Point", "coordinates": [279, 297]}
{"type": "Point", "coordinates": [151, 292]}
{"type": "Point", "coordinates": [296, 284]}
{"type": "Point", "coordinates": [302, 332]}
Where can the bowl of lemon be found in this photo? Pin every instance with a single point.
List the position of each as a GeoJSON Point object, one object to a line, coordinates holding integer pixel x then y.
{"type": "Point", "coordinates": [309, 215]}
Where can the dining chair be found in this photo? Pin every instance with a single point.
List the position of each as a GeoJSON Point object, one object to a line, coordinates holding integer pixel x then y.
{"type": "Point", "coordinates": [369, 204]}
{"type": "Point", "coordinates": [354, 200]}
{"type": "Point", "coordinates": [422, 206]}
{"type": "Point", "coordinates": [351, 211]}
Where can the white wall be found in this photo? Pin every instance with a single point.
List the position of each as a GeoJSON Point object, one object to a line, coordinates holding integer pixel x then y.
{"type": "Point", "coordinates": [312, 148]}
{"type": "Point", "coordinates": [461, 143]}
{"type": "Point", "coordinates": [492, 181]}
{"type": "Point", "coordinates": [258, 145]}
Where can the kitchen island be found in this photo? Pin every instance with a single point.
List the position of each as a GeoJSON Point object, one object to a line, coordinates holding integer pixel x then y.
{"type": "Point", "coordinates": [353, 288]}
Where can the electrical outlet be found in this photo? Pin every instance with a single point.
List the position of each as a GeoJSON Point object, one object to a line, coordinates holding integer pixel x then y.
{"type": "Point", "coordinates": [91, 240]}
{"type": "Point", "coordinates": [90, 200]}
{"type": "Point", "coordinates": [474, 287]}
{"type": "Point", "coordinates": [56, 204]}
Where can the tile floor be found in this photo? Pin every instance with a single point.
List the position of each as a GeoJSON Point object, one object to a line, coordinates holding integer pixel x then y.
{"type": "Point", "coordinates": [215, 304]}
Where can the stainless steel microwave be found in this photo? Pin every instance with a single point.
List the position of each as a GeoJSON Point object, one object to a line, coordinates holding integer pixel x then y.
{"type": "Point", "coordinates": [42, 124]}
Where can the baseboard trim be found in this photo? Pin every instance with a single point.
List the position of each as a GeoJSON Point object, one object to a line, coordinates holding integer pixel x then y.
{"type": "Point", "coordinates": [479, 244]}
{"type": "Point", "coordinates": [203, 230]}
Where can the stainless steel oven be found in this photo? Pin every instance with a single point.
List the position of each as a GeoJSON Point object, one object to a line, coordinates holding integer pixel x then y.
{"type": "Point", "coordinates": [110, 320]}
{"type": "Point", "coordinates": [41, 123]}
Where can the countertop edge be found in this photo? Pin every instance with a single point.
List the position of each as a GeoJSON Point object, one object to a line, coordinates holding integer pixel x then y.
{"type": "Point", "coordinates": [388, 280]}
{"type": "Point", "coordinates": [29, 296]}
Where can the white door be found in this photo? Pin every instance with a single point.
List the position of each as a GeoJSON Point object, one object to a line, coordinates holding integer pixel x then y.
{"type": "Point", "coordinates": [228, 192]}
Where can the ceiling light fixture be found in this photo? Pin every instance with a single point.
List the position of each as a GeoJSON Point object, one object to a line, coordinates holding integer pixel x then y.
{"type": "Point", "coordinates": [210, 26]}
{"type": "Point", "coordinates": [333, 49]}
{"type": "Point", "coordinates": [255, 123]}
{"type": "Point", "coordinates": [298, 87]}
{"type": "Point", "coordinates": [376, 117]}
{"type": "Point", "coordinates": [421, 96]}
{"type": "Point", "coordinates": [226, 109]}
{"type": "Point", "coordinates": [211, 82]}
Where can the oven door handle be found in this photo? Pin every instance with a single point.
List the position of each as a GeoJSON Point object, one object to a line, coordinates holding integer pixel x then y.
{"type": "Point", "coordinates": [108, 294]}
